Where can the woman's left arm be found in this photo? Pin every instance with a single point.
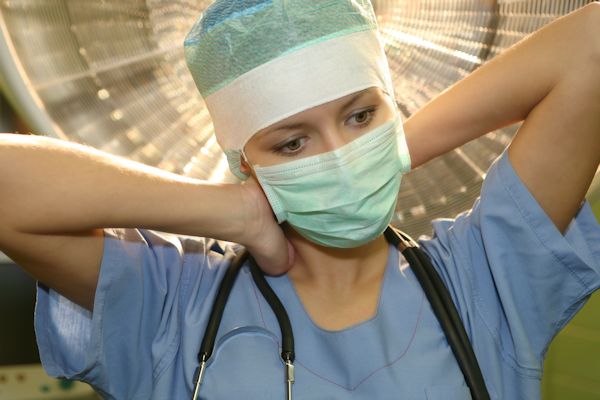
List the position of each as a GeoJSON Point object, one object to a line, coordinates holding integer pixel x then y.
{"type": "Point", "coordinates": [550, 79]}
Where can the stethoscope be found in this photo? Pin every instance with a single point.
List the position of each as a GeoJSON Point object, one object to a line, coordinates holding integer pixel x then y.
{"type": "Point", "coordinates": [433, 286]}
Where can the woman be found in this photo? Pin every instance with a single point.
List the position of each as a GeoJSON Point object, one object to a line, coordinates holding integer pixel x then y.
{"type": "Point", "coordinates": [125, 308]}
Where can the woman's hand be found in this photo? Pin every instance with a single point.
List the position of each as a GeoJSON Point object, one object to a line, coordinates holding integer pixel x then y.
{"type": "Point", "coordinates": [262, 236]}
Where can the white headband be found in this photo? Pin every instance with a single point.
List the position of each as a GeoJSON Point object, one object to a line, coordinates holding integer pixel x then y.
{"type": "Point", "coordinates": [294, 82]}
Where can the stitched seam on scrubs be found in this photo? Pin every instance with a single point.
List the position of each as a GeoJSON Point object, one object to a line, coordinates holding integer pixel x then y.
{"type": "Point", "coordinates": [185, 285]}
{"type": "Point", "coordinates": [523, 371]}
{"type": "Point", "coordinates": [262, 317]}
{"type": "Point", "coordinates": [566, 317]}
{"type": "Point", "coordinates": [514, 191]}
{"type": "Point", "coordinates": [157, 377]}
{"type": "Point", "coordinates": [98, 310]}
{"type": "Point", "coordinates": [160, 360]}
{"type": "Point", "coordinates": [505, 354]}
{"type": "Point", "coordinates": [164, 362]}
{"type": "Point", "coordinates": [44, 323]}
{"type": "Point", "coordinates": [378, 369]}
{"type": "Point", "coordinates": [171, 350]}
{"type": "Point", "coordinates": [534, 223]}
{"type": "Point", "coordinates": [105, 289]}
{"type": "Point", "coordinates": [186, 276]}
{"type": "Point", "coordinates": [273, 335]}
{"type": "Point", "coordinates": [532, 220]}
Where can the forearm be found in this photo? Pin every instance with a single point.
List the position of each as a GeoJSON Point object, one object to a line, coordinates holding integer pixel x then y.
{"type": "Point", "coordinates": [502, 91]}
{"type": "Point", "coordinates": [52, 186]}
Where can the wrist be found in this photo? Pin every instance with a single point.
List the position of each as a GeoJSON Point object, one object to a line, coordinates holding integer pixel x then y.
{"type": "Point", "coordinates": [232, 224]}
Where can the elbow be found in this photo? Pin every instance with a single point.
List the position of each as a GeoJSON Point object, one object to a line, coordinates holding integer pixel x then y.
{"type": "Point", "coordinates": [590, 14]}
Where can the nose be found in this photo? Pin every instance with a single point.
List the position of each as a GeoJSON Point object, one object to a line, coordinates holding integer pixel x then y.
{"type": "Point", "coordinates": [334, 138]}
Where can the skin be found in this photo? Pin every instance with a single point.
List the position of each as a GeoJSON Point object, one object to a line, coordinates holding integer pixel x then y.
{"type": "Point", "coordinates": [350, 284]}
{"type": "Point", "coordinates": [549, 81]}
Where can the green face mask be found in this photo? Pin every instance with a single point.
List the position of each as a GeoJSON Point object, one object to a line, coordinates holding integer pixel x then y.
{"type": "Point", "coordinates": [343, 198]}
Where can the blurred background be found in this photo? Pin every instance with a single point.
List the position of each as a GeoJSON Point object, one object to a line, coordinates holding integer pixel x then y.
{"type": "Point", "coordinates": [111, 74]}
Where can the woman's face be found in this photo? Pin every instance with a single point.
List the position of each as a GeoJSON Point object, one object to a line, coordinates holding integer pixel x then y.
{"type": "Point", "coordinates": [319, 129]}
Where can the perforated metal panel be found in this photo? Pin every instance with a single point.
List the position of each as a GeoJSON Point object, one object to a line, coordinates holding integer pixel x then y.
{"type": "Point", "coordinates": [111, 74]}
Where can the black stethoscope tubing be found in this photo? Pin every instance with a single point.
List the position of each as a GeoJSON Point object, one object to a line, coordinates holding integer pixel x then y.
{"type": "Point", "coordinates": [433, 286]}
{"type": "Point", "coordinates": [443, 308]}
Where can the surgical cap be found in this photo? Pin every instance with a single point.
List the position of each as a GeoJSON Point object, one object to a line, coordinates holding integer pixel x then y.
{"type": "Point", "coordinates": [256, 62]}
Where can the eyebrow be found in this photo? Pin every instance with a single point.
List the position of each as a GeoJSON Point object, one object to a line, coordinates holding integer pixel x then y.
{"type": "Point", "coordinates": [347, 105]}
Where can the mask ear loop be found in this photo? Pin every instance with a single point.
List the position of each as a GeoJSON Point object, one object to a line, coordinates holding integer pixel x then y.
{"type": "Point", "coordinates": [392, 98]}
{"type": "Point", "coordinates": [244, 157]}
{"type": "Point", "coordinates": [396, 105]}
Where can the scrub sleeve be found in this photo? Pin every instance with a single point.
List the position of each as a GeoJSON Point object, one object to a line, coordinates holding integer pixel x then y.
{"type": "Point", "coordinates": [507, 265]}
{"type": "Point", "coordinates": [133, 333]}
{"type": "Point", "coordinates": [515, 279]}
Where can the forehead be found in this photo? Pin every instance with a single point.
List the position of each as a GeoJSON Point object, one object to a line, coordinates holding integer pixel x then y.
{"type": "Point", "coordinates": [335, 106]}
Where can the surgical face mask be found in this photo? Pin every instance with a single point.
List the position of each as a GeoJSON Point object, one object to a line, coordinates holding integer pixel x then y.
{"type": "Point", "coordinates": [343, 198]}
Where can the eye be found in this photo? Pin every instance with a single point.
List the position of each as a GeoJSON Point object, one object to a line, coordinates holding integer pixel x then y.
{"type": "Point", "coordinates": [364, 117]}
{"type": "Point", "coordinates": [291, 147]}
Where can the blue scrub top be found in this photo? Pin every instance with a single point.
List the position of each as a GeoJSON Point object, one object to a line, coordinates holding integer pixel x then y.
{"type": "Point", "coordinates": [515, 279]}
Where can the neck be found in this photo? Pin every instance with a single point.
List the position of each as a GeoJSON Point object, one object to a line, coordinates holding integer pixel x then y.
{"type": "Point", "coordinates": [336, 269]}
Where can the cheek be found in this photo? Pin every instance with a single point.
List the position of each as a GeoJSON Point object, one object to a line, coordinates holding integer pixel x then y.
{"type": "Point", "coordinates": [259, 154]}
{"type": "Point", "coordinates": [253, 152]}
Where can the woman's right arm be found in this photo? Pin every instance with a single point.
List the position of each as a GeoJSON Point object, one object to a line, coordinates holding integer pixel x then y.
{"type": "Point", "coordinates": [57, 196]}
